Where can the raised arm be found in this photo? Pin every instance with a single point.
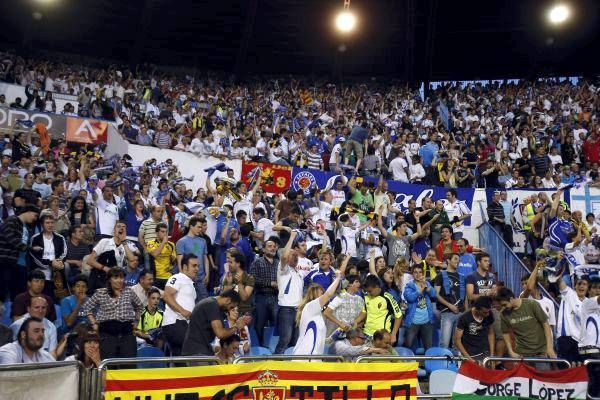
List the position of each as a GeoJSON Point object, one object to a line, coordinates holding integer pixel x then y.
{"type": "Point", "coordinates": [325, 297]}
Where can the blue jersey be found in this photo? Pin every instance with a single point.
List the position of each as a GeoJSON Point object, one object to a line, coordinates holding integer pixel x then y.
{"type": "Point", "coordinates": [558, 230]}
{"type": "Point", "coordinates": [467, 264]}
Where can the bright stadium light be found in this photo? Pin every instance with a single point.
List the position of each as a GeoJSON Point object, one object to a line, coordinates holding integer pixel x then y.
{"type": "Point", "coordinates": [345, 21]}
{"type": "Point", "coordinates": [559, 14]}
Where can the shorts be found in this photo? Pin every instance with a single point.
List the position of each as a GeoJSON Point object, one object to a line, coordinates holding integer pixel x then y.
{"type": "Point", "coordinates": [357, 147]}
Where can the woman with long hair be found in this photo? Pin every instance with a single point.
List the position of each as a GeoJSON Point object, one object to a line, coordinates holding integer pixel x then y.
{"type": "Point", "coordinates": [112, 312]}
{"type": "Point", "coordinates": [312, 329]}
{"type": "Point", "coordinates": [79, 214]}
{"type": "Point", "coordinates": [386, 276]}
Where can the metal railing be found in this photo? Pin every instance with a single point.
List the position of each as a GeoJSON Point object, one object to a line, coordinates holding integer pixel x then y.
{"type": "Point", "coordinates": [409, 358]}
{"type": "Point", "coordinates": [283, 357]}
{"type": "Point", "coordinates": [586, 363]}
{"type": "Point", "coordinates": [97, 381]}
{"type": "Point", "coordinates": [505, 262]}
{"type": "Point", "coordinates": [488, 360]}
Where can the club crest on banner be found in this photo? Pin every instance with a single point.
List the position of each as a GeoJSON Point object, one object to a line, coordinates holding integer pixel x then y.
{"type": "Point", "coordinates": [268, 390]}
{"type": "Point", "coordinates": [304, 181]}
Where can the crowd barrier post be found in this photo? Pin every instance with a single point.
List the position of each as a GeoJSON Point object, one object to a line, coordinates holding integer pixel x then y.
{"type": "Point", "coordinates": [284, 357]}
{"type": "Point", "coordinates": [488, 360]}
{"type": "Point", "coordinates": [586, 363]}
{"type": "Point", "coordinates": [97, 382]}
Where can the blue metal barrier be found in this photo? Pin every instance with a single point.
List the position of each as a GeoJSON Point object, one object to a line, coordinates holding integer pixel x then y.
{"type": "Point", "coordinates": [505, 263]}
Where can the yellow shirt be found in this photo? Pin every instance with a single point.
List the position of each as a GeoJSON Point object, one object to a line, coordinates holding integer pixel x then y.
{"type": "Point", "coordinates": [150, 321]}
{"type": "Point", "coordinates": [163, 262]}
{"type": "Point", "coordinates": [380, 312]}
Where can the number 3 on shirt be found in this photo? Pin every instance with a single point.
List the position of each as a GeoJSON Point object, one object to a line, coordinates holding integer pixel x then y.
{"type": "Point", "coordinates": [173, 281]}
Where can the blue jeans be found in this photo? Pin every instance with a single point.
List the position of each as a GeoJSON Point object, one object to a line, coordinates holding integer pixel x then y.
{"type": "Point", "coordinates": [425, 332]}
{"type": "Point", "coordinates": [265, 310]}
{"type": "Point", "coordinates": [288, 331]}
{"type": "Point", "coordinates": [448, 321]}
{"type": "Point", "coordinates": [201, 292]}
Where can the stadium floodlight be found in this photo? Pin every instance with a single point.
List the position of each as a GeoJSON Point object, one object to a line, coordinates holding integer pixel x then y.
{"type": "Point", "coordinates": [345, 21]}
{"type": "Point", "coordinates": [559, 14]}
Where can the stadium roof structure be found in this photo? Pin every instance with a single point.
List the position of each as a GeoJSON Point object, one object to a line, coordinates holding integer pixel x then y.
{"type": "Point", "coordinates": [406, 39]}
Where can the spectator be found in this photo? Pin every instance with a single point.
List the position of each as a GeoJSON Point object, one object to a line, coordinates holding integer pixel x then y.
{"type": "Point", "coordinates": [35, 288]}
{"type": "Point", "coordinates": [37, 309]}
{"type": "Point", "coordinates": [76, 252]}
{"type": "Point", "coordinates": [569, 318]}
{"type": "Point", "coordinates": [206, 324]}
{"type": "Point", "coordinates": [590, 339]}
{"type": "Point", "coordinates": [113, 313]}
{"type": "Point", "coordinates": [529, 325]}
{"type": "Point", "coordinates": [180, 297]}
{"type": "Point", "coordinates": [193, 243]}
{"type": "Point", "coordinates": [5, 332]}
{"type": "Point", "coordinates": [71, 305]}
{"type": "Point", "coordinates": [151, 317]}
{"type": "Point", "coordinates": [29, 345]}
{"type": "Point", "coordinates": [228, 348]}
{"type": "Point", "coordinates": [345, 308]}
{"type": "Point", "coordinates": [264, 270]}
{"type": "Point", "coordinates": [311, 326]}
{"type": "Point", "coordinates": [450, 287]}
{"type": "Point", "coordinates": [48, 252]}
{"type": "Point", "coordinates": [144, 286]}
{"type": "Point", "coordinates": [244, 334]}
{"type": "Point", "coordinates": [418, 294]}
{"type": "Point", "coordinates": [237, 279]}
{"type": "Point", "coordinates": [88, 352]}
{"type": "Point", "coordinates": [380, 310]}
{"type": "Point", "coordinates": [481, 282]}
{"type": "Point", "coordinates": [354, 344]}
{"type": "Point", "coordinates": [474, 334]}
{"type": "Point", "coordinates": [164, 254]}
{"type": "Point", "coordinates": [457, 212]}
{"type": "Point", "coordinates": [14, 241]}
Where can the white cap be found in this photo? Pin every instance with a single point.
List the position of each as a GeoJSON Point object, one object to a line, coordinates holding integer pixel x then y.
{"type": "Point", "coordinates": [7, 152]}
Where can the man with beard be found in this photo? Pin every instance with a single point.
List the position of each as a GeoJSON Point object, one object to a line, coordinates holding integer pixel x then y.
{"type": "Point", "coordinates": [28, 348]}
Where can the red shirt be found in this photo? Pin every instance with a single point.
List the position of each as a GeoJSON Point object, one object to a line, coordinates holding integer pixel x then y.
{"type": "Point", "coordinates": [591, 149]}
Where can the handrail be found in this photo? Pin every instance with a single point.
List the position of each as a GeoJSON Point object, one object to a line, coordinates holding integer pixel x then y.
{"type": "Point", "coordinates": [284, 357]}
{"type": "Point", "coordinates": [153, 360]}
{"type": "Point", "coordinates": [409, 358]}
{"type": "Point", "coordinates": [97, 383]}
{"type": "Point", "coordinates": [586, 363]}
{"type": "Point", "coordinates": [32, 366]}
{"type": "Point", "coordinates": [528, 359]}
{"type": "Point", "coordinates": [507, 247]}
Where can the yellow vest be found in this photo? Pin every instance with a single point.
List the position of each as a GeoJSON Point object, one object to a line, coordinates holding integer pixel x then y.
{"type": "Point", "coordinates": [529, 214]}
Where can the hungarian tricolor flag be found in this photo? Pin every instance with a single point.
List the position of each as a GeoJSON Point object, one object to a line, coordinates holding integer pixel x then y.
{"type": "Point", "coordinates": [522, 382]}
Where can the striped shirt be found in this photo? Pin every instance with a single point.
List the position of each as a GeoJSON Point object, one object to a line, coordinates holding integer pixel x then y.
{"type": "Point", "coordinates": [314, 160]}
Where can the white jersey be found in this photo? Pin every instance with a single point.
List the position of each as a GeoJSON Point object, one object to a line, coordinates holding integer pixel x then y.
{"type": "Point", "coordinates": [304, 266]}
{"type": "Point", "coordinates": [312, 331]}
{"type": "Point", "coordinates": [548, 307]}
{"type": "Point", "coordinates": [569, 314]}
{"type": "Point", "coordinates": [590, 323]}
{"type": "Point", "coordinates": [456, 209]}
{"type": "Point", "coordinates": [244, 204]}
{"type": "Point", "coordinates": [339, 196]}
{"type": "Point", "coordinates": [185, 297]}
{"type": "Point", "coordinates": [348, 239]}
{"type": "Point", "coordinates": [265, 225]}
{"type": "Point", "coordinates": [291, 284]}
{"type": "Point", "coordinates": [574, 255]}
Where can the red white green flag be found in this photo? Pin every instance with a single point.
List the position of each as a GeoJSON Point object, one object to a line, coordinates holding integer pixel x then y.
{"type": "Point", "coordinates": [522, 382]}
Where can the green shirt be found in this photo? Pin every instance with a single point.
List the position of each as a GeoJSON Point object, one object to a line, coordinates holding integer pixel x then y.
{"type": "Point", "coordinates": [527, 324]}
{"type": "Point", "coordinates": [441, 221]}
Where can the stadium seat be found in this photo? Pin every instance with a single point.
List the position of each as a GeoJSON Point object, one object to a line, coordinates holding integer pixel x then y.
{"type": "Point", "coordinates": [441, 381]}
{"type": "Point", "coordinates": [433, 365]}
{"type": "Point", "coordinates": [404, 351]}
{"type": "Point", "coordinates": [260, 351]}
{"type": "Point", "coordinates": [149, 351]}
{"type": "Point", "coordinates": [289, 351]}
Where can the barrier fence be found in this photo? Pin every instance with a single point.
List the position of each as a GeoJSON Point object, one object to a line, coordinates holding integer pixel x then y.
{"type": "Point", "coordinates": [505, 262]}
{"type": "Point", "coordinates": [91, 382]}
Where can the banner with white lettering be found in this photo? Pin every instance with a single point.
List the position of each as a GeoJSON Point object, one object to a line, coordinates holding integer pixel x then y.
{"type": "Point", "coordinates": [522, 382]}
{"type": "Point", "coordinates": [60, 383]}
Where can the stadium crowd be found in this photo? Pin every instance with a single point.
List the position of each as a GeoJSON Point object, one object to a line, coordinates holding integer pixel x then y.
{"type": "Point", "coordinates": [135, 258]}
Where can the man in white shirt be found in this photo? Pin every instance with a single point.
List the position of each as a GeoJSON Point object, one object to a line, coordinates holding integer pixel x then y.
{"type": "Point", "coordinates": [457, 212]}
{"type": "Point", "coordinates": [37, 309]}
{"type": "Point", "coordinates": [180, 299]}
{"type": "Point", "coordinates": [399, 166]}
{"type": "Point", "coordinates": [569, 319]}
{"type": "Point", "coordinates": [589, 346]}
{"type": "Point", "coordinates": [264, 227]}
{"type": "Point", "coordinates": [107, 211]}
{"type": "Point", "coordinates": [28, 347]}
{"type": "Point", "coordinates": [290, 281]}
{"type": "Point", "coordinates": [336, 156]}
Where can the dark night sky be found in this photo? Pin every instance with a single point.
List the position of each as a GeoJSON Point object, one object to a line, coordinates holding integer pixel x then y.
{"type": "Point", "coordinates": [463, 39]}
